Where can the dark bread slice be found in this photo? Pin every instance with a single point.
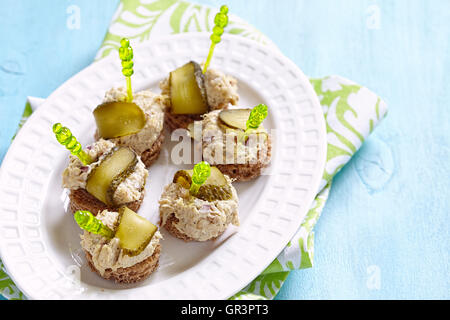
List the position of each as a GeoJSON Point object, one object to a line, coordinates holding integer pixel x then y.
{"type": "Point", "coordinates": [80, 199]}
{"type": "Point", "coordinates": [249, 171]}
{"type": "Point", "coordinates": [136, 273]}
{"type": "Point", "coordinates": [170, 226]}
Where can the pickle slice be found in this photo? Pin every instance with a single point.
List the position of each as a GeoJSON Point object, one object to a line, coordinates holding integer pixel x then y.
{"type": "Point", "coordinates": [118, 119]}
{"type": "Point", "coordinates": [113, 170]}
{"type": "Point", "coordinates": [236, 120]}
{"type": "Point", "coordinates": [215, 187]}
{"type": "Point", "coordinates": [134, 232]}
{"type": "Point", "coordinates": [184, 178]}
{"type": "Point", "coordinates": [187, 90]}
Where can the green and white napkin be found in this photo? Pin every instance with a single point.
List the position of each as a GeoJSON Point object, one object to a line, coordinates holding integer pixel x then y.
{"type": "Point", "coordinates": [351, 113]}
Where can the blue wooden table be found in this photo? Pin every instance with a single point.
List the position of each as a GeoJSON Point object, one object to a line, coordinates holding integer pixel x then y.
{"type": "Point", "coordinates": [384, 232]}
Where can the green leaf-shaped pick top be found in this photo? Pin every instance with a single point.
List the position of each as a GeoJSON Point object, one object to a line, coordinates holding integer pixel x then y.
{"type": "Point", "coordinates": [220, 21]}
{"type": "Point", "coordinates": [88, 222]}
{"type": "Point", "coordinates": [202, 171]}
{"type": "Point", "coordinates": [126, 55]}
{"type": "Point", "coordinates": [65, 137]}
{"type": "Point", "coordinates": [257, 116]}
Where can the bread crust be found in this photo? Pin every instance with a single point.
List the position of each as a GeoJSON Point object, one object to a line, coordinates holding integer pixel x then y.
{"type": "Point", "coordinates": [247, 172]}
{"type": "Point", "coordinates": [149, 156]}
{"type": "Point", "coordinates": [179, 121]}
{"type": "Point", "coordinates": [80, 199]}
{"type": "Point", "coordinates": [133, 274]}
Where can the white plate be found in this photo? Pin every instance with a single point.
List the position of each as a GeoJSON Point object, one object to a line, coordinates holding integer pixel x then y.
{"type": "Point", "coordinates": [39, 241]}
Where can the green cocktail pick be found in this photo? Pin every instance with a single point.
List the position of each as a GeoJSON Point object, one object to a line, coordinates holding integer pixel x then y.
{"type": "Point", "coordinates": [126, 55]}
{"type": "Point", "coordinates": [65, 137]}
{"type": "Point", "coordinates": [257, 116]}
{"type": "Point", "coordinates": [88, 222]}
{"type": "Point", "coordinates": [220, 21]}
{"type": "Point", "coordinates": [202, 171]}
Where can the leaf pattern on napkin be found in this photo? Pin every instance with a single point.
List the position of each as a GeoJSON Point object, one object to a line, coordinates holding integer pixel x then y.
{"type": "Point", "coordinates": [140, 19]}
{"type": "Point", "coordinates": [351, 113]}
{"type": "Point", "coordinates": [7, 286]}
